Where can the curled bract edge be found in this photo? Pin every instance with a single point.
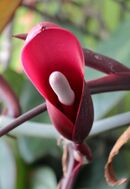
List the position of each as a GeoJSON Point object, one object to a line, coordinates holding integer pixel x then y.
{"type": "Point", "coordinates": [109, 172]}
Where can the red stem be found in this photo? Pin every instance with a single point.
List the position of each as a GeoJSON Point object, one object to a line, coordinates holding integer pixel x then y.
{"type": "Point", "coordinates": [24, 117]}
{"type": "Point", "coordinates": [73, 169]}
{"type": "Point", "coordinates": [110, 83]}
{"type": "Point", "coordinates": [103, 63]}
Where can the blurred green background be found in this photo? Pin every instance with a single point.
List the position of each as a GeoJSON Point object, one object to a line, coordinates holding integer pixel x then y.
{"type": "Point", "coordinates": [102, 25]}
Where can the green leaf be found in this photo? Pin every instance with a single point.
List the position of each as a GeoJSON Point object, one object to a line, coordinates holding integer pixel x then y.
{"type": "Point", "coordinates": [32, 148]}
{"type": "Point", "coordinates": [7, 166]}
{"type": "Point", "coordinates": [29, 98]}
{"type": "Point", "coordinates": [113, 8]}
{"type": "Point", "coordinates": [16, 80]}
{"type": "Point", "coordinates": [118, 45]}
{"type": "Point", "coordinates": [43, 178]}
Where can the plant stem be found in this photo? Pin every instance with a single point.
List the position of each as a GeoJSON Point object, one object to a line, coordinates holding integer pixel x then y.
{"type": "Point", "coordinates": [109, 123]}
{"type": "Point", "coordinates": [28, 115]}
{"type": "Point", "coordinates": [110, 83]}
{"type": "Point", "coordinates": [30, 128]}
{"type": "Point", "coordinates": [48, 131]}
{"type": "Point", "coordinates": [103, 63]}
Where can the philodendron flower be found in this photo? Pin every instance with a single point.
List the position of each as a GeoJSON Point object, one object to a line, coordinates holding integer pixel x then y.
{"type": "Point", "coordinates": [53, 60]}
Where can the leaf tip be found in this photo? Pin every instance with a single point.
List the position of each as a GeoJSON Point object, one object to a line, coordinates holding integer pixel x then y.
{"type": "Point", "coordinates": [20, 36]}
{"type": "Point", "coordinates": [110, 177]}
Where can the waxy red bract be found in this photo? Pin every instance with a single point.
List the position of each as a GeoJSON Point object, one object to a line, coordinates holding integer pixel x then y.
{"type": "Point", "coordinates": [50, 48]}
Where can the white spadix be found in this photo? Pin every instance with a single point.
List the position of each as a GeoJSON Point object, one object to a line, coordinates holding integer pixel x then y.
{"type": "Point", "coordinates": [61, 87]}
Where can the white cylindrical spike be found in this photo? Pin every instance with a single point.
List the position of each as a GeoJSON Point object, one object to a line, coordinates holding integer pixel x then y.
{"type": "Point", "coordinates": [61, 87]}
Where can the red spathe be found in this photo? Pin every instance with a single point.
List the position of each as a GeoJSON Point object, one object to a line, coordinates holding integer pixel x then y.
{"type": "Point", "coordinates": [49, 48]}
